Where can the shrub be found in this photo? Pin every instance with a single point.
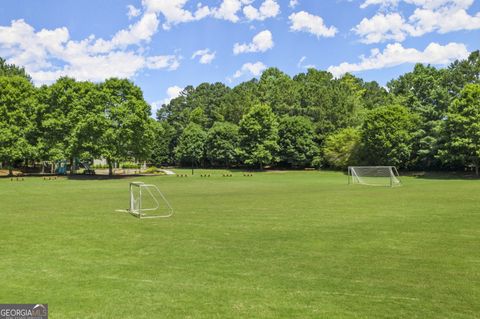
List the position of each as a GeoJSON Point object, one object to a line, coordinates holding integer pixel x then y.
{"type": "Point", "coordinates": [154, 170]}
{"type": "Point", "coordinates": [129, 165]}
{"type": "Point", "coordinates": [151, 170]}
{"type": "Point", "coordinates": [341, 148]}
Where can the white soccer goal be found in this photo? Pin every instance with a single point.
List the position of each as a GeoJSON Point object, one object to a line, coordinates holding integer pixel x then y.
{"type": "Point", "coordinates": [374, 175]}
{"type": "Point", "coordinates": [147, 201]}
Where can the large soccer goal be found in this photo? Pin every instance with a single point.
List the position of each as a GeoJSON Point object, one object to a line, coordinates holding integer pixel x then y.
{"type": "Point", "coordinates": [374, 175]}
{"type": "Point", "coordinates": [147, 201]}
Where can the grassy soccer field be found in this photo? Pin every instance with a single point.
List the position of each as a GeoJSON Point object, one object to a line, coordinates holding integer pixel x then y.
{"type": "Point", "coordinates": [275, 245]}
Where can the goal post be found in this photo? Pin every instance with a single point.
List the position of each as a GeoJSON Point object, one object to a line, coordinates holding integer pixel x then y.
{"type": "Point", "coordinates": [147, 201]}
{"type": "Point", "coordinates": [374, 175]}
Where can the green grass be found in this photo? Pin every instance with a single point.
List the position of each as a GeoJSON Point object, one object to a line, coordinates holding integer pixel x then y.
{"type": "Point", "coordinates": [275, 245]}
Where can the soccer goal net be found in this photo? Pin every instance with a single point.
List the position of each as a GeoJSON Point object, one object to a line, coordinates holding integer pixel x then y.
{"type": "Point", "coordinates": [374, 175]}
{"type": "Point", "coordinates": [147, 201]}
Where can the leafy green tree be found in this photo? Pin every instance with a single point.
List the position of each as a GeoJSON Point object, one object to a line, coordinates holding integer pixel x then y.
{"type": "Point", "coordinates": [17, 111]}
{"type": "Point", "coordinates": [191, 146]}
{"type": "Point", "coordinates": [353, 85]}
{"type": "Point", "coordinates": [424, 93]}
{"type": "Point", "coordinates": [13, 70]}
{"type": "Point", "coordinates": [239, 100]}
{"type": "Point", "coordinates": [43, 145]}
{"type": "Point", "coordinates": [209, 98]}
{"type": "Point", "coordinates": [315, 88]}
{"type": "Point", "coordinates": [126, 131]}
{"type": "Point", "coordinates": [84, 120]}
{"type": "Point", "coordinates": [162, 147]}
{"type": "Point", "coordinates": [387, 135]}
{"type": "Point", "coordinates": [461, 73]}
{"type": "Point", "coordinates": [204, 105]}
{"type": "Point", "coordinates": [259, 136]}
{"type": "Point", "coordinates": [342, 148]}
{"type": "Point", "coordinates": [331, 104]}
{"type": "Point", "coordinates": [173, 110]}
{"type": "Point", "coordinates": [297, 147]}
{"type": "Point", "coordinates": [87, 120]}
{"type": "Point", "coordinates": [175, 116]}
{"type": "Point", "coordinates": [222, 143]}
{"type": "Point", "coordinates": [374, 95]}
{"type": "Point", "coordinates": [198, 116]}
{"type": "Point", "coordinates": [63, 111]}
{"type": "Point", "coordinates": [462, 129]}
{"type": "Point", "coordinates": [279, 91]}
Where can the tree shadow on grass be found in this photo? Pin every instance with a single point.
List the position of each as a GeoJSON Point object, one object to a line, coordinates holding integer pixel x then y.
{"type": "Point", "coordinates": [446, 175]}
{"type": "Point", "coordinates": [106, 177]}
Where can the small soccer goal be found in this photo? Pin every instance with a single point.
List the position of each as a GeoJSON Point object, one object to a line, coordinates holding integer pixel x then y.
{"type": "Point", "coordinates": [147, 201]}
{"type": "Point", "coordinates": [374, 175]}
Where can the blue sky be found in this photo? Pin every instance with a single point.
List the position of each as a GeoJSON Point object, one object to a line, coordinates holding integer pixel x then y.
{"type": "Point", "coordinates": [164, 45]}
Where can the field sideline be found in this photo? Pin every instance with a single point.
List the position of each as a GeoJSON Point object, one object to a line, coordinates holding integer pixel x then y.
{"type": "Point", "coordinates": [275, 245]}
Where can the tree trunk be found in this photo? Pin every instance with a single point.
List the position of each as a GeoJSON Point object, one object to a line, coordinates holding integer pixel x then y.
{"type": "Point", "coordinates": [476, 170]}
{"type": "Point", "coordinates": [110, 167]}
{"type": "Point", "coordinates": [9, 167]}
{"type": "Point", "coordinates": [43, 167]}
{"type": "Point", "coordinates": [72, 166]}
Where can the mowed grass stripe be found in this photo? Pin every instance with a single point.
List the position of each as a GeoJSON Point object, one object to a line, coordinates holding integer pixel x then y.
{"type": "Point", "coordinates": [275, 245]}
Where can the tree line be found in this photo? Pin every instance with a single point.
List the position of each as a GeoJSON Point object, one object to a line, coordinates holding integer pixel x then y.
{"type": "Point", "coordinates": [426, 119]}
{"type": "Point", "coordinates": [71, 120]}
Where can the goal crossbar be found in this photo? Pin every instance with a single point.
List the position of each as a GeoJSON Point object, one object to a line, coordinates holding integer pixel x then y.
{"type": "Point", "coordinates": [374, 175]}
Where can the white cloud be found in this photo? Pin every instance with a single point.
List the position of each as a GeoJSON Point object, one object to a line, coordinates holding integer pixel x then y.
{"type": "Point", "coordinates": [228, 10]}
{"type": "Point", "coordinates": [440, 16]}
{"type": "Point", "coordinates": [170, 62]}
{"type": "Point", "coordinates": [395, 54]}
{"type": "Point", "coordinates": [306, 22]}
{"type": "Point", "coordinates": [262, 42]}
{"type": "Point", "coordinates": [174, 12]}
{"type": "Point", "coordinates": [206, 56]}
{"type": "Point", "coordinates": [381, 27]}
{"type": "Point", "coordinates": [442, 20]}
{"type": "Point", "coordinates": [301, 64]}
{"type": "Point", "coordinates": [50, 53]}
{"type": "Point", "coordinates": [172, 92]}
{"type": "Point", "coordinates": [22, 46]}
{"type": "Point", "coordinates": [254, 69]}
{"type": "Point", "coordinates": [427, 4]}
{"type": "Point", "coordinates": [143, 30]}
{"type": "Point", "coordinates": [383, 3]}
{"type": "Point", "coordinates": [293, 3]}
{"type": "Point", "coordinates": [268, 9]}
{"type": "Point", "coordinates": [132, 11]}
{"type": "Point", "coordinates": [88, 59]}
{"type": "Point", "coordinates": [88, 67]}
